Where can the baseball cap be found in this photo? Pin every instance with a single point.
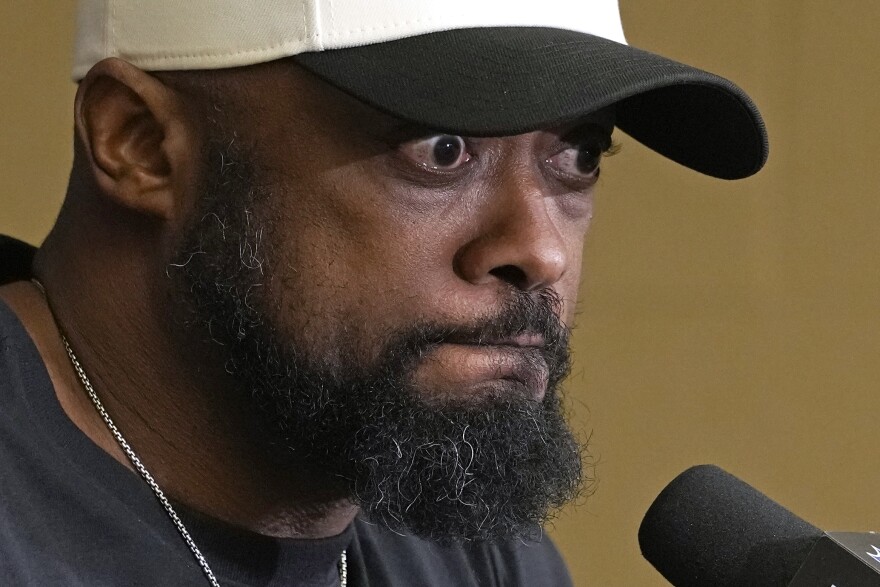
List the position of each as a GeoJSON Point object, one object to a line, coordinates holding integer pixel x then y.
{"type": "Point", "coordinates": [469, 67]}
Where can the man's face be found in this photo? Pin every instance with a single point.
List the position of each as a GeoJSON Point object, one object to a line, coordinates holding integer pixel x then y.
{"type": "Point", "coordinates": [396, 299]}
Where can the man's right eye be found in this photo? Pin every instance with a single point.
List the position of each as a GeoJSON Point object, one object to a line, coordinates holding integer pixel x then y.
{"type": "Point", "coordinates": [581, 161]}
{"type": "Point", "coordinates": [438, 152]}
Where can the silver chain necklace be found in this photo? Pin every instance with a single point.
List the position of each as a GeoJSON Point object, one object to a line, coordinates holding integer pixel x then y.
{"type": "Point", "coordinates": [139, 466]}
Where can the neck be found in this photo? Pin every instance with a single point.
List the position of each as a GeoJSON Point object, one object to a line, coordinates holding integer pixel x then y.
{"type": "Point", "coordinates": [184, 417]}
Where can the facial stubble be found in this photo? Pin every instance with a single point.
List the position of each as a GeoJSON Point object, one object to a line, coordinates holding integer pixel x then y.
{"type": "Point", "coordinates": [493, 467]}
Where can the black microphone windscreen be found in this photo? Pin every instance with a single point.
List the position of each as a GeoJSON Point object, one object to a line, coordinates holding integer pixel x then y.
{"type": "Point", "coordinates": [708, 528]}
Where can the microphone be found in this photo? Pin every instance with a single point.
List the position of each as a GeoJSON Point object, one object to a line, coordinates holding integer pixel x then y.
{"type": "Point", "coordinates": [709, 529]}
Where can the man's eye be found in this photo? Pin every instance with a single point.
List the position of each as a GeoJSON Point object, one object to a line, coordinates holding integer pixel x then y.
{"type": "Point", "coordinates": [439, 152]}
{"type": "Point", "coordinates": [580, 161]}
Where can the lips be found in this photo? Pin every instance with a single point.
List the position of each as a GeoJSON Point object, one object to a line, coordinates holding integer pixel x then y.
{"type": "Point", "coordinates": [497, 366]}
{"type": "Point", "coordinates": [524, 339]}
{"type": "Point", "coordinates": [528, 340]}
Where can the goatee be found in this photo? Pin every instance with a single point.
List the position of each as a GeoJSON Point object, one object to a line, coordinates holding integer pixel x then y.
{"type": "Point", "coordinates": [447, 469]}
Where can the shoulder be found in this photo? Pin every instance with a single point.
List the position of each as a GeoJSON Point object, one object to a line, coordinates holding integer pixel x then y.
{"type": "Point", "coordinates": [394, 559]}
{"type": "Point", "coordinates": [15, 259]}
{"type": "Point", "coordinates": [15, 262]}
{"type": "Point", "coordinates": [19, 361]}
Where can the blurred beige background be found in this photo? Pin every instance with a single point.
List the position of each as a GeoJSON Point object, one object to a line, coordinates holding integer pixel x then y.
{"type": "Point", "coordinates": [728, 323]}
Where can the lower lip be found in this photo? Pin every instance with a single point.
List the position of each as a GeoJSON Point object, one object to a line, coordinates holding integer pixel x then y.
{"type": "Point", "coordinates": [463, 370]}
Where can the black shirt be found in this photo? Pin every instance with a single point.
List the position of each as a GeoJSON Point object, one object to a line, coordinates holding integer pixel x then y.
{"type": "Point", "coordinates": [72, 515]}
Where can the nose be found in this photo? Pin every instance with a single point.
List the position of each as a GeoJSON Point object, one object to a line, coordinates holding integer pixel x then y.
{"type": "Point", "coordinates": [519, 243]}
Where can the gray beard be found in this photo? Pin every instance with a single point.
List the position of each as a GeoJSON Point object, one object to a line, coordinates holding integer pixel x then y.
{"type": "Point", "coordinates": [445, 470]}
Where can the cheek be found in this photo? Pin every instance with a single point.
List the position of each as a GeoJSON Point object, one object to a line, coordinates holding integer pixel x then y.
{"type": "Point", "coordinates": [358, 258]}
{"type": "Point", "coordinates": [349, 269]}
{"type": "Point", "coordinates": [569, 288]}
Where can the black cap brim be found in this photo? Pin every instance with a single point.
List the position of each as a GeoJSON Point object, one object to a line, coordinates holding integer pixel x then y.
{"type": "Point", "coordinates": [503, 81]}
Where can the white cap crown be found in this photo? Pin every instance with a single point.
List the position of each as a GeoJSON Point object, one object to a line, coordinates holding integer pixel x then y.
{"type": "Point", "coordinates": [211, 34]}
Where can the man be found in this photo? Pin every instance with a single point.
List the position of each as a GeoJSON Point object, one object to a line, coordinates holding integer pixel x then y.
{"type": "Point", "coordinates": [304, 315]}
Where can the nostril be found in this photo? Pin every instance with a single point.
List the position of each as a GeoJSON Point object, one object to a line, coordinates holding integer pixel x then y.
{"type": "Point", "coordinates": [511, 274]}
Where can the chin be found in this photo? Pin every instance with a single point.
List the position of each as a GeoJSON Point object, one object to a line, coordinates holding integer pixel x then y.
{"type": "Point", "coordinates": [486, 393]}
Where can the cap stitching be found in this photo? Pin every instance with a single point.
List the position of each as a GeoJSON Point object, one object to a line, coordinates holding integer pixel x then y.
{"type": "Point", "coordinates": [180, 56]}
{"type": "Point", "coordinates": [110, 30]}
{"type": "Point", "coordinates": [423, 20]}
{"type": "Point", "coordinates": [318, 30]}
{"type": "Point", "coordinates": [332, 15]}
{"type": "Point", "coordinates": [383, 27]}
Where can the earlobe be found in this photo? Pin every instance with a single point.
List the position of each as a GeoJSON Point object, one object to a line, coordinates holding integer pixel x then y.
{"type": "Point", "coordinates": [134, 135]}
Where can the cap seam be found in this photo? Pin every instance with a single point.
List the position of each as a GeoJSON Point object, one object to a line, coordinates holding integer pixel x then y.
{"type": "Point", "coordinates": [110, 28]}
{"type": "Point", "coordinates": [389, 26]}
{"type": "Point", "coordinates": [342, 35]}
{"type": "Point", "coordinates": [317, 31]}
{"type": "Point", "coordinates": [332, 15]}
{"type": "Point", "coordinates": [136, 59]}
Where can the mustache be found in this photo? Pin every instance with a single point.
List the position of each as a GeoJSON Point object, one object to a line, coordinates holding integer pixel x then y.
{"type": "Point", "coordinates": [533, 314]}
{"type": "Point", "coordinates": [522, 313]}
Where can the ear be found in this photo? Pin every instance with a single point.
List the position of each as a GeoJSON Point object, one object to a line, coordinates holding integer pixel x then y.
{"type": "Point", "coordinates": [136, 138]}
